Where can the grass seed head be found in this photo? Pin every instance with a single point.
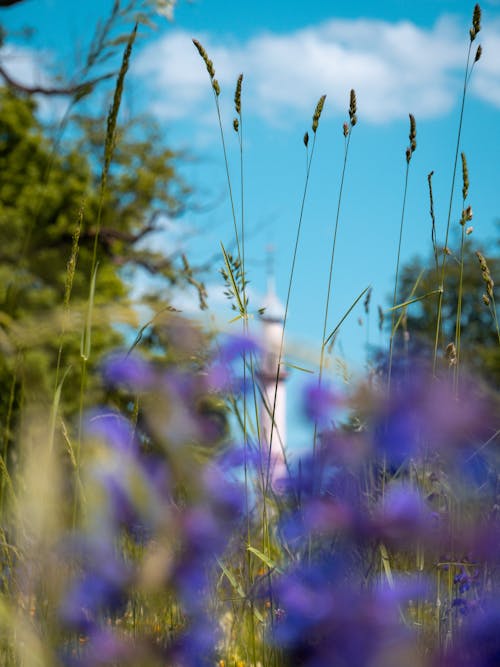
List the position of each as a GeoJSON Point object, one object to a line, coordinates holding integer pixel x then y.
{"type": "Point", "coordinates": [380, 318]}
{"type": "Point", "coordinates": [110, 140]}
{"type": "Point", "coordinates": [306, 139]}
{"type": "Point", "coordinates": [465, 177]}
{"type": "Point", "coordinates": [237, 95]}
{"type": "Point", "coordinates": [345, 129]}
{"type": "Point", "coordinates": [413, 133]}
{"type": "Point", "coordinates": [317, 113]}
{"type": "Point", "coordinates": [482, 261]}
{"type": "Point", "coordinates": [216, 87]}
{"type": "Point", "coordinates": [366, 302]}
{"type": "Point", "coordinates": [485, 274]}
{"type": "Point", "coordinates": [476, 23]}
{"type": "Point", "coordinates": [451, 354]}
{"type": "Point", "coordinates": [479, 53]}
{"type": "Point", "coordinates": [352, 109]}
{"type": "Point", "coordinates": [209, 64]}
{"type": "Point", "coordinates": [236, 125]}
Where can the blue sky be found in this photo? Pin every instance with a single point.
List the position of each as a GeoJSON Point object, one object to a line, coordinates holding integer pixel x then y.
{"type": "Point", "coordinates": [400, 57]}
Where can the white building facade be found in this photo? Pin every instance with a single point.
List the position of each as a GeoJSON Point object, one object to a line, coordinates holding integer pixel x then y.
{"type": "Point", "coordinates": [273, 385]}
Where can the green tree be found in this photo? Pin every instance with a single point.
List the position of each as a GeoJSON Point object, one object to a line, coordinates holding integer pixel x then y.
{"type": "Point", "coordinates": [480, 348]}
{"type": "Point", "coordinates": [45, 197]}
{"type": "Point", "coordinates": [58, 215]}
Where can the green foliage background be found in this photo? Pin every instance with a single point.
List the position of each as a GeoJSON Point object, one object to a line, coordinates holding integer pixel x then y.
{"type": "Point", "coordinates": [480, 352]}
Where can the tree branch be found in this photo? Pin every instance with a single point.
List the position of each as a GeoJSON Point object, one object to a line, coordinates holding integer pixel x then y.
{"type": "Point", "coordinates": [9, 3]}
{"type": "Point", "coordinates": [79, 90]}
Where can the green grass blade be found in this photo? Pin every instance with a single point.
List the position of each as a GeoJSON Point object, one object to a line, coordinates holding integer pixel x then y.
{"type": "Point", "coordinates": [386, 563]}
{"type": "Point", "coordinates": [85, 345]}
{"type": "Point", "coordinates": [232, 280]}
{"type": "Point", "coordinates": [265, 559]}
{"type": "Point", "coordinates": [345, 316]}
{"type": "Point", "coordinates": [55, 409]}
{"type": "Point", "coordinates": [415, 300]}
{"type": "Point", "coordinates": [232, 579]}
{"type": "Point", "coordinates": [297, 368]}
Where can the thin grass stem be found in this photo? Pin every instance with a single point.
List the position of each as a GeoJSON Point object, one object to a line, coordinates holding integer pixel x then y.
{"type": "Point", "coordinates": [292, 272]}
{"type": "Point", "coordinates": [448, 220]}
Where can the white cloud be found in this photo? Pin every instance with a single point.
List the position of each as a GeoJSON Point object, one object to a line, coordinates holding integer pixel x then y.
{"type": "Point", "coordinates": [25, 65]}
{"type": "Point", "coordinates": [394, 68]}
{"type": "Point", "coordinates": [486, 82]}
{"type": "Point", "coordinates": [31, 68]}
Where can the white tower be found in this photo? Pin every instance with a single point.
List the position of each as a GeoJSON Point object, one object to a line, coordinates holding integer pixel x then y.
{"type": "Point", "coordinates": [273, 435]}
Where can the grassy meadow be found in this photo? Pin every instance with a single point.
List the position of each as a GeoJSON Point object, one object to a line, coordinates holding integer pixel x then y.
{"type": "Point", "coordinates": [142, 522]}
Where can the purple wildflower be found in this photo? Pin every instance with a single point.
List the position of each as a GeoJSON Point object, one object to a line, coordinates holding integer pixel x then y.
{"type": "Point", "coordinates": [235, 347]}
{"type": "Point", "coordinates": [403, 515]}
{"type": "Point", "coordinates": [89, 597]}
{"type": "Point", "coordinates": [479, 639]}
{"type": "Point", "coordinates": [325, 622]}
{"type": "Point", "coordinates": [127, 370]}
{"type": "Point", "coordinates": [113, 429]}
{"type": "Point", "coordinates": [319, 402]}
{"type": "Point", "coordinates": [226, 372]}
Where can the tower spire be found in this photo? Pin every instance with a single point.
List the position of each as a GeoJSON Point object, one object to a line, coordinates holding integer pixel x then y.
{"type": "Point", "coordinates": [273, 391]}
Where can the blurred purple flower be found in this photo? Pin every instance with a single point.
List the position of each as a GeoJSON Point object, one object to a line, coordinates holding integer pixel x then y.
{"type": "Point", "coordinates": [101, 585]}
{"type": "Point", "coordinates": [319, 402]}
{"type": "Point", "coordinates": [201, 531]}
{"type": "Point", "coordinates": [235, 457]}
{"type": "Point", "coordinates": [120, 507]}
{"type": "Point", "coordinates": [403, 515]}
{"type": "Point", "coordinates": [127, 370]}
{"type": "Point", "coordinates": [226, 373]}
{"type": "Point", "coordinates": [195, 647]}
{"type": "Point", "coordinates": [236, 346]}
{"type": "Point", "coordinates": [397, 431]}
{"type": "Point", "coordinates": [423, 415]}
{"type": "Point", "coordinates": [328, 515]}
{"type": "Point", "coordinates": [105, 648]}
{"type": "Point", "coordinates": [478, 643]}
{"type": "Point", "coordinates": [480, 540]}
{"type": "Point", "coordinates": [345, 447]}
{"type": "Point", "coordinates": [158, 476]}
{"type": "Point", "coordinates": [225, 497]}
{"type": "Point", "coordinates": [326, 622]}
{"type": "Point", "coordinates": [91, 596]}
{"type": "Point", "coordinates": [113, 429]}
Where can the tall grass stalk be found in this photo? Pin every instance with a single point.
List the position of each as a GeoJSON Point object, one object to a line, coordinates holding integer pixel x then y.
{"type": "Point", "coordinates": [242, 301]}
{"type": "Point", "coordinates": [476, 27]}
{"type": "Point", "coordinates": [347, 131]}
{"type": "Point", "coordinates": [68, 287]}
{"type": "Point", "coordinates": [409, 152]}
{"type": "Point", "coordinates": [238, 128]}
{"type": "Point", "coordinates": [216, 93]}
{"type": "Point", "coordinates": [315, 122]}
{"type": "Point", "coordinates": [109, 146]}
{"type": "Point", "coordinates": [489, 295]}
{"type": "Point", "coordinates": [464, 219]}
{"type": "Point", "coordinates": [6, 435]}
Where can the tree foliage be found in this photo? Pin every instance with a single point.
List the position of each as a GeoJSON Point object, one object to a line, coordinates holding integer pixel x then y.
{"type": "Point", "coordinates": [46, 195]}
{"type": "Point", "coordinates": [480, 349]}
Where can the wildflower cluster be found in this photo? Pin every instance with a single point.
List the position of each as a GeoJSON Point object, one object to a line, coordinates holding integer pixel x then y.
{"type": "Point", "coordinates": [374, 495]}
